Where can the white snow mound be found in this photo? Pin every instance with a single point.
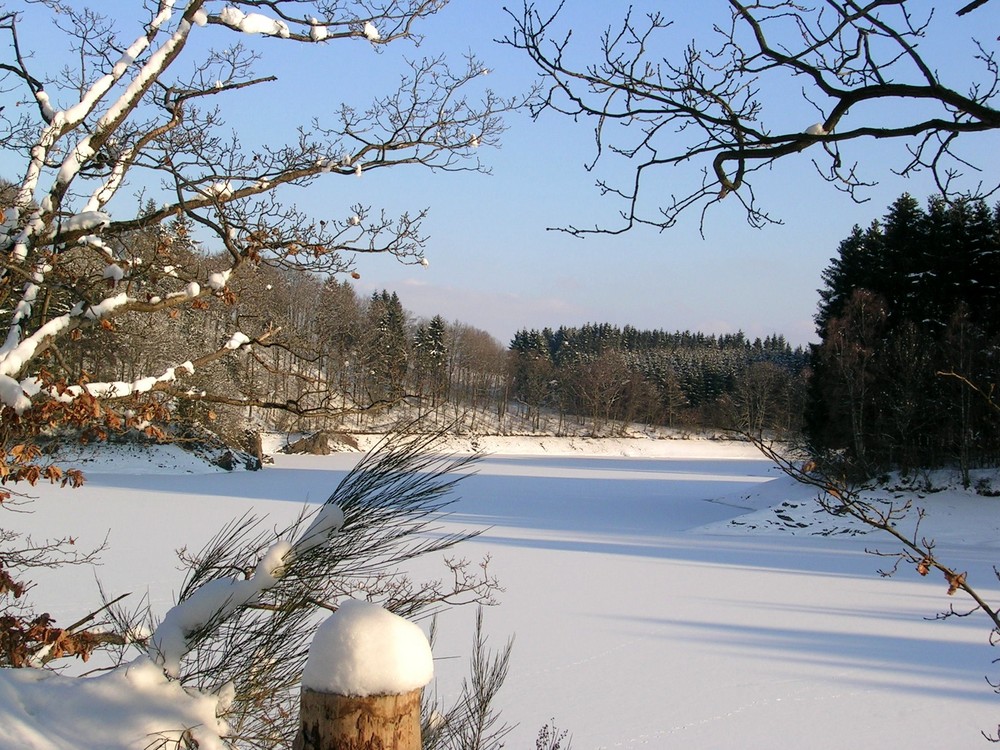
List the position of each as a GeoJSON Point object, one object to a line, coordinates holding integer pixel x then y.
{"type": "Point", "coordinates": [364, 650]}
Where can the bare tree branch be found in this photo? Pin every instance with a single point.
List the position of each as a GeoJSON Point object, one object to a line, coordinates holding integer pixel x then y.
{"type": "Point", "coordinates": [865, 68]}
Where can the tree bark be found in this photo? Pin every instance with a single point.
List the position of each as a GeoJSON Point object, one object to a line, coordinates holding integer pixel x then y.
{"type": "Point", "coordinates": [378, 722]}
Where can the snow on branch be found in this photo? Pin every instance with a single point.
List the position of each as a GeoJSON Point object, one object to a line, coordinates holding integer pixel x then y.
{"type": "Point", "coordinates": [253, 23]}
{"type": "Point", "coordinates": [213, 603]}
{"type": "Point", "coordinates": [120, 389]}
{"type": "Point", "coordinates": [15, 355]}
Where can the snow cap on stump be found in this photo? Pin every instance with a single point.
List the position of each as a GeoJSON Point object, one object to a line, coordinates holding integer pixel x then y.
{"type": "Point", "coordinates": [364, 650]}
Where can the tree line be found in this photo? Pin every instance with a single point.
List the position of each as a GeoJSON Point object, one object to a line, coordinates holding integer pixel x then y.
{"type": "Point", "coordinates": [331, 357]}
{"type": "Point", "coordinates": [326, 355]}
{"type": "Point", "coordinates": [908, 318]}
{"type": "Point", "coordinates": [613, 375]}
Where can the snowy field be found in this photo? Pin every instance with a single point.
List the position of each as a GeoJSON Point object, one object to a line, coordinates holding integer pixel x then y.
{"type": "Point", "coordinates": [661, 593]}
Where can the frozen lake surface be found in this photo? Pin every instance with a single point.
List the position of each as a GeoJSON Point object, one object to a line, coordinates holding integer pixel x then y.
{"type": "Point", "coordinates": [641, 616]}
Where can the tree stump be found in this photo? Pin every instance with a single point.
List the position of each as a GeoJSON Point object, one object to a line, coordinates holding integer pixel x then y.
{"type": "Point", "coordinates": [362, 681]}
{"type": "Point", "coordinates": [376, 722]}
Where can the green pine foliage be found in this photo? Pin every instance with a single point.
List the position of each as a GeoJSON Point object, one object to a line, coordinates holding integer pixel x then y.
{"type": "Point", "coordinates": [430, 360]}
{"type": "Point", "coordinates": [386, 350]}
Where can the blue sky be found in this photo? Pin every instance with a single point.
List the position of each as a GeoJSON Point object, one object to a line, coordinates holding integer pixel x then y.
{"type": "Point", "coordinates": [494, 265]}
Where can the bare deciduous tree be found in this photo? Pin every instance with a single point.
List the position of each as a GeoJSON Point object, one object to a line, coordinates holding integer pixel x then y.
{"type": "Point", "coordinates": [145, 114]}
{"type": "Point", "coordinates": [136, 208]}
{"type": "Point", "coordinates": [600, 385]}
{"type": "Point", "coordinates": [766, 399]}
{"type": "Point", "coordinates": [882, 69]}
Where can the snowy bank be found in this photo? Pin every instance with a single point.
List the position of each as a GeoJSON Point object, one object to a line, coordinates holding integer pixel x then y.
{"type": "Point", "coordinates": [130, 708]}
{"type": "Point", "coordinates": [625, 447]}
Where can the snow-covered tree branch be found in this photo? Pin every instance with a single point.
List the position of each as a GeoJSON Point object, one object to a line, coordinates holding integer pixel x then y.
{"type": "Point", "coordinates": [136, 199]}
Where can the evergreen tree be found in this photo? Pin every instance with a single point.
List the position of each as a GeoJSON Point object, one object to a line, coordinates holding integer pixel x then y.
{"type": "Point", "coordinates": [386, 350]}
{"type": "Point", "coordinates": [430, 359]}
{"type": "Point", "coordinates": [913, 296]}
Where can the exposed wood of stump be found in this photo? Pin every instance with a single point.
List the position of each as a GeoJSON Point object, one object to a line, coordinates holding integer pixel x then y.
{"type": "Point", "coordinates": [377, 722]}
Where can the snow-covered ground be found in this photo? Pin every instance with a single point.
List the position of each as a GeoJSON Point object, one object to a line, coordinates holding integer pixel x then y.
{"type": "Point", "coordinates": [662, 593]}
